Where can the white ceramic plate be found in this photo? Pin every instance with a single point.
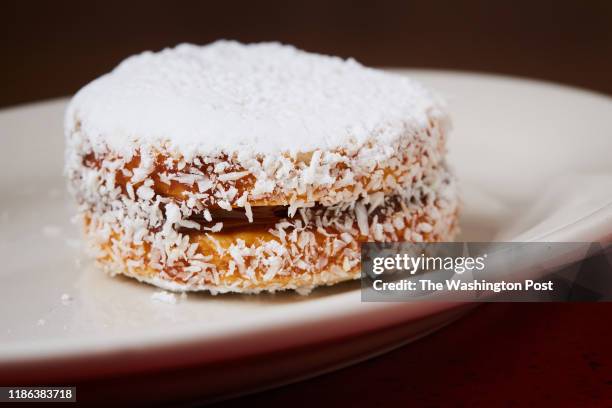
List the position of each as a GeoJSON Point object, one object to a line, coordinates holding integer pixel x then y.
{"type": "Point", "coordinates": [534, 160]}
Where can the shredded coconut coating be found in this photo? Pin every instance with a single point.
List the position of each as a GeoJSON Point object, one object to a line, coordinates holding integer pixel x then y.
{"type": "Point", "coordinates": [325, 176]}
{"type": "Point", "coordinates": [355, 154]}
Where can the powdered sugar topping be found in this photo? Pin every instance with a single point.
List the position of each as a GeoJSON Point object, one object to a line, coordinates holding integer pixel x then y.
{"type": "Point", "coordinates": [255, 99]}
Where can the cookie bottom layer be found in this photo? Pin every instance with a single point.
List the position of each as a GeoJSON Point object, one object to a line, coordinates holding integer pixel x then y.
{"type": "Point", "coordinates": [312, 250]}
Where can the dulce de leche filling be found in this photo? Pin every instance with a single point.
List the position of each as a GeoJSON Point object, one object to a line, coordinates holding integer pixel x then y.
{"type": "Point", "coordinates": [262, 216]}
{"type": "Point", "coordinates": [268, 216]}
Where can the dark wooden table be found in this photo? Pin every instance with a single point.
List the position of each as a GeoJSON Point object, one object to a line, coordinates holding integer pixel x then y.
{"type": "Point", "coordinates": [509, 355]}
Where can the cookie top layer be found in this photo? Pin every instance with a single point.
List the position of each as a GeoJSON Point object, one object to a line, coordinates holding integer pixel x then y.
{"type": "Point", "coordinates": [258, 99]}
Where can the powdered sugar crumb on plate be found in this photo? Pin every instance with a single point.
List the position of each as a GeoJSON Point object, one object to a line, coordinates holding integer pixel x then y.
{"type": "Point", "coordinates": [66, 299]}
{"type": "Point", "coordinates": [163, 296]}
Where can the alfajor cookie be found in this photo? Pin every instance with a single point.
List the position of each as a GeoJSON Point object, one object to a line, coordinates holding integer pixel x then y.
{"type": "Point", "coordinates": [248, 168]}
